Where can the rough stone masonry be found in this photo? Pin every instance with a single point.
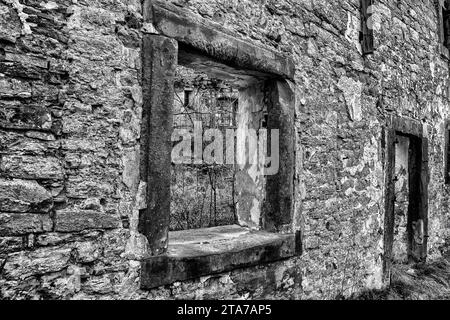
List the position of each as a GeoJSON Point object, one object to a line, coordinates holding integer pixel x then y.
{"type": "Point", "coordinates": [71, 105]}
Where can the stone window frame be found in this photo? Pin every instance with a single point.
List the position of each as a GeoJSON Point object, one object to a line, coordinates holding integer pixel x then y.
{"type": "Point", "coordinates": [366, 34]}
{"type": "Point", "coordinates": [444, 51]}
{"type": "Point", "coordinates": [447, 152]}
{"type": "Point", "coordinates": [195, 253]}
{"type": "Point", "coordinates": [395, 125]}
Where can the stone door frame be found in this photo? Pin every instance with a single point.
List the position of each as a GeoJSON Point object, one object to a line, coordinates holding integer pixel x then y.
{"type": "Point", "coordinates": [398, 125]}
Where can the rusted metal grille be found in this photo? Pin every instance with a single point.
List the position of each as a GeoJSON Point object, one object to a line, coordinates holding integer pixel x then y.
{"type": "Point", "coordinates": [202, 195]}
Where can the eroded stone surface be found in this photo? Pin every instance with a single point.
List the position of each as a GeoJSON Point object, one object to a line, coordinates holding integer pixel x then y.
{"type": "Point", "coordinates": [196, 253]}
{"type": "Point", "coordinates": [30, 167]}
{"type": "Point", "coordinates": [70, 103]}
{"type": "Point", "coordinates": [24, 196]}
{"type": "Point", "coordinates": [12, 224]}
{"type": "Point", "coordinates": [74, 221]}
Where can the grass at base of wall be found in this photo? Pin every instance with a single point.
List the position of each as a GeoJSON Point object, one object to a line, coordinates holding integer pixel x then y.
{"type": "Point", "coordinates": [430, 281]}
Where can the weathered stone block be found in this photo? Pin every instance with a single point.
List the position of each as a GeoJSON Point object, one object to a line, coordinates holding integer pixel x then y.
{"type": "Point", "coordinates": [40, 135]}
{"type": "Point", "coordinates": [55, 238]}
{"type": "Point", "coordinates": [99, 285]}
{"type": "Point", "coordinates": [279, 203]}
{"type": "Point", "coordinates": [23, 264]}
{"type": "Point", "coordinates": [130, 175]}
{"type": "Point", "coordinates": [80, 188]}
{"type": "Point", "coordinates": [95, 48]}
{"type": "Point", "coordinates": [30, 167]}
{"type": "Point", "coordinates": [352, 92]}
{"type": "Point", "coordinates": [75, 221]}
{"type": "Point", "coordinates": [9, 24]}
{"type": "Point", "coordinates": [195, 253]}
{"type": "Point", "coordinates": [87, 252]}
{"type": "Point", "coordinates": [26, 117]}
{"type": "Point", "coordinates": [13, 142]}
{"type": "Point", "coordinates": [11, 244]}
{"type": "Point", "coordinates": [13, 224]}
{"type": "Point", "coordinates": [13, 88]}
{"type": "Point", "coordinates": [82, 145]}
{"type": "Point", "coordinates": [24, 196]}
{"type": "Point", "coordinates": [91, 204]}
{"type": "Point", "coordinates": [158, 73]}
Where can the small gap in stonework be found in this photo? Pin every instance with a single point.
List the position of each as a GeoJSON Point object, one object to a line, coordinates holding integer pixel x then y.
{"type": "Point", "coordinates": [96, 107]}
{"type": "Point", "coordinates": [125, 222]}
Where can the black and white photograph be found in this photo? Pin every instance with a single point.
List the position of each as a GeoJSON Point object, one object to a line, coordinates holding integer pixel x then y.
{"type": "Point", "coordinates": [224, 155]}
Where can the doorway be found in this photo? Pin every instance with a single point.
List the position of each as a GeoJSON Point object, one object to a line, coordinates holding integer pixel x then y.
{"type": "Point", "coordinates": [406, 219]}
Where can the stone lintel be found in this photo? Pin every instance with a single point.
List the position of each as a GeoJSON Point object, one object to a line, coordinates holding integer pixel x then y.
{"type": "Point", "coordinates": [215, 41]}
{"type": "Point", "coordinates": [406, 126]}
{"type": "Point", "coordinates": [195, 253]}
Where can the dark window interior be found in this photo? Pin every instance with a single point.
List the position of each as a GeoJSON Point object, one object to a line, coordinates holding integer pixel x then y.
{"type": "Point", "coordinates": [366, 34]}
{"type": "Point", "coordinates": [447, 156]}
{"type": "Point", "coordinates": [446, 25]}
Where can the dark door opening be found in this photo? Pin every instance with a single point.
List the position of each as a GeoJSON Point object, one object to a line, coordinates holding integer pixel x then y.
{"type": "Point", "coordinates": [409, 200]}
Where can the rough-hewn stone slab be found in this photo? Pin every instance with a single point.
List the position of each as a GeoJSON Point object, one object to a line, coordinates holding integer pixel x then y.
{"type": "Point", "coordinates": [195, 253]}
{"type": "Point", "coordinates": [30, 167]}
{"type": "Point", "coordinates": [24, 196]}
{"type": "Point", "coordinates": [212, 39]}
{"type": "Point", "coordinates": [241, 78]}
{"type": "Point", "coordinates": [25, 264]}
{"type": "Point", "coordinates": [14, 224]}
{"type": "Point", "coordinates": [159, 65]}
{"type": "Point", "coordinates": [75, 221]}
{"type": "Point", "coordinates": [279, 203]}
{"type": "Point", "coordinates": [407, 126]}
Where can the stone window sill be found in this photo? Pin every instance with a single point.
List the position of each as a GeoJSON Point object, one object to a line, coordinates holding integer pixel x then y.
{"type": "Point", "coordinates": [195, 253]}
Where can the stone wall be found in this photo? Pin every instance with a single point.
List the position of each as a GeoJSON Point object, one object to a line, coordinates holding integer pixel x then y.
{"type": "Point", "coordinates": [70, 107]}
{"type": "Point", "coordinates": [70, 103]}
